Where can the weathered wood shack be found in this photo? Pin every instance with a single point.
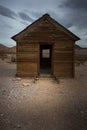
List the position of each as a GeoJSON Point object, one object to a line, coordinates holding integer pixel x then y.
{"type": "Point", "coordinates": [45, 47]}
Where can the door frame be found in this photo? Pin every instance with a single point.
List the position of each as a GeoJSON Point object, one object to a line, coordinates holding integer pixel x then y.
{"type": "Point", "coordinates": [52, 46]}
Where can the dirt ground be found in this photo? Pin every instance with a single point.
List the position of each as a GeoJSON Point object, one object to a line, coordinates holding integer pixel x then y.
{"type": "Point", "coordinates": [44, 105]}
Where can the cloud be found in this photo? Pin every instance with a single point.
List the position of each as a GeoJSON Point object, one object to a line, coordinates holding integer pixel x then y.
{"type": "Point", "coordinates": [25, 17]}
{"type": "Point", "coordinates": [75, 12]}
{"type": "Point", "coordinates": [36, 14]}
{"type": "Point", "coordinates": [7, 12]}
{"type": "Point", "coordinates": [70, 13]}
{"type": "Point", "coordinates": [76, 4]}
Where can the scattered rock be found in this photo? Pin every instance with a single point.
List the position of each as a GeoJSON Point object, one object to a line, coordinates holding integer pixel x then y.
{"type": "Point", "coordinates": [3, 92]}
{"type": "Point", "coordinates": [18, 126]}
{"type": "Point", "coordinates": [26, 84]}
{"type": "Point", "coordinates": [82, 112]}
{"type": "Point", "coordinates": [16, 79]}
{"type": "Point", "coordinates": [1, 114]}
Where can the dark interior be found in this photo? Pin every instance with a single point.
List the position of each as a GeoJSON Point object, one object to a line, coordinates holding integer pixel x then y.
{"type": "Point", "coordinates": [45, 59]}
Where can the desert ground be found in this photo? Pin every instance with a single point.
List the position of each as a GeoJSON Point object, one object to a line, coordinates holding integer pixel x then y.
{"type": "Point", "coordinates": [46, 104]}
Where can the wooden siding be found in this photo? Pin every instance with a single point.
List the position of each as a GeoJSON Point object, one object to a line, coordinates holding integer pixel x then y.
{"type": "Point", "coordinates": [27, 59]}
{"type": "Point", "coordinates": [43, 32]}
{"type": "Point", "coordinates": [63, 59]}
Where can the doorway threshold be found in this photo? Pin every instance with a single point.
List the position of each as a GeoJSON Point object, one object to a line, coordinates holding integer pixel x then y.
{"type": "Point", "coordinates": [45, 75]}
{"type": "Point", "coordinates": [46, 71]}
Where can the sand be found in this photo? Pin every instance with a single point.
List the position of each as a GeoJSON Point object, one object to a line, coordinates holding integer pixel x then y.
{"type": "Point", "coordinates": [46, 104]}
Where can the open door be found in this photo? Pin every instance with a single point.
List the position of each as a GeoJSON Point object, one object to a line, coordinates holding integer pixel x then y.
{"type": "Point", "coordinates": [45, 59]}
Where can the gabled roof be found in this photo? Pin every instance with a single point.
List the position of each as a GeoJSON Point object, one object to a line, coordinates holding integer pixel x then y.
{"type": "Point", "coordinates": [51, 21]}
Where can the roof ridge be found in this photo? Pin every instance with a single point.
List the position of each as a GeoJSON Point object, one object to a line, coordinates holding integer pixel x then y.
{"type": "Point", "coordinates": [44, 17]}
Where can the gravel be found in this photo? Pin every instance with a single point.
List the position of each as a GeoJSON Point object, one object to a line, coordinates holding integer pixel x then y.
{"type": "Point", "coordinates": [43, 105]}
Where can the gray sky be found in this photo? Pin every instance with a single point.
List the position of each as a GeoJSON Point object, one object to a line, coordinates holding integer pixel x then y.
{"type": "Point", "coordinates": [15, 15]}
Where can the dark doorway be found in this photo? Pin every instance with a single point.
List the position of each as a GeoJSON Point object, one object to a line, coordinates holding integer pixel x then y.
{"type": "Point", "coordinates": [45, 59]}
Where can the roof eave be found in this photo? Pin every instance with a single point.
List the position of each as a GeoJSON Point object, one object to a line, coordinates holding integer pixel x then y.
{"type": "Point", "coordinates": [47, 16]}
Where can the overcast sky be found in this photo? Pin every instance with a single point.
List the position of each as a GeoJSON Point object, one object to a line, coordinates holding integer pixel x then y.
{"type": "Point", "coordinates": [15, 15]}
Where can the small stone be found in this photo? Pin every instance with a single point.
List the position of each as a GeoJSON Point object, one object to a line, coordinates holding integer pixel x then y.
{"type": "Point", "coordinates": [18, 126]}
{"type": "Point", "coordinates": [1, 114]}
{"type": "Point", "coordinates": [4, 90]}
{"type": "Point", "coordinates": [82, 112]}
{"type": "Point", "coordinates": [18, 78]}
{"type": "Point", "coordinates": [26, 84]}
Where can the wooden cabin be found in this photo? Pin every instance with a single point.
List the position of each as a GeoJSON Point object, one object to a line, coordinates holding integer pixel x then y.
{"type": "Point", "coordinates": [45, 47]}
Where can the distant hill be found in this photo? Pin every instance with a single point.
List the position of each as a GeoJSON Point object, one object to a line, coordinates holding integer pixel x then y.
{"type": "Point", "coordinates": [77, 47]}
{"type": "Point", "coordinates": [80, 54]}
{"type": "Point", "coordinates": [12, 50]}
{"type": "Point", "coordinates": [3, 48]}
